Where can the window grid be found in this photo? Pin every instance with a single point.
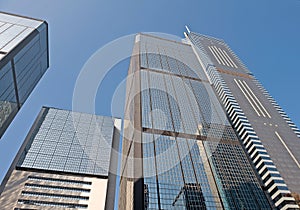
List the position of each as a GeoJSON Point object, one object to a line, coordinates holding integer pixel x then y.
{"type": "Point", "coordinates": [71, 142]}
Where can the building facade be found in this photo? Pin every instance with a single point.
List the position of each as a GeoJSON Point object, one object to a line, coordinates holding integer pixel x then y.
{"type": "Point", "coordinates": [179, 149]}
{"type": "Point", "coordinates": [269, 136]}
{"type": "Point", "coordinates": [24, 58]}
{"type": "Point", "coordinates": [66, 162]}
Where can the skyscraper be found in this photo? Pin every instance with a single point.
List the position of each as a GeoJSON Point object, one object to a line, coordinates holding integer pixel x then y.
{"type": "Point", "coordinates": [180, 147]}
{"type": "Point", "coordinates": [66, 162]}
{"type": "Point", "coordinates": [266, 132]}
{"type": "Point", "coordinates": [24, 58]}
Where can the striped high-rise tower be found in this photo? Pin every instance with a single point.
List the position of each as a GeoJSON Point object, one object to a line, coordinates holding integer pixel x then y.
{"type": "Point", "coordinates": [268, 135]}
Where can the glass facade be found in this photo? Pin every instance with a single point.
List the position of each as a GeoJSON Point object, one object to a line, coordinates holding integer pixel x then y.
{"type": "Point", "coordinates": [180, 173]}
{"type": "Point", "coordinates": [8, 100]}
{"type": "Point", "coordinates": [189, 153]}
{"type": "Point", "coordinates": [69, 141]}
{"type": "Point", "coordinates": [23, 61]}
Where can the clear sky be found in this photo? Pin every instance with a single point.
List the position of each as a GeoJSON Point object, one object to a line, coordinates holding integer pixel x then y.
{"type": "Point", "coordinates": [263, 33]}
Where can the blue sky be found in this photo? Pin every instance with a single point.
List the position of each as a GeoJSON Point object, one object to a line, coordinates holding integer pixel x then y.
{"type": "Point", "coordinates": [263, 33]}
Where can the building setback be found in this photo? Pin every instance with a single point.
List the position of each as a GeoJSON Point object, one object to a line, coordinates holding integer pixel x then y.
{"type": "Point", "coordinates": [24, 58]}
{"type": "Point", "coordinates": [65, 162]}
{"type": "Point", "coordinates": [180, 149]}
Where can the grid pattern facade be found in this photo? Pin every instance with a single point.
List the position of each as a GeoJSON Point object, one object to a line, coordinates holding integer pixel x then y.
{"type": "Point", "coordinates": [185, 136]}
{"type": "Point", "coordinates": [252, 112]}
{"type": "Point", "coordinates": [235, 177]}
{"type": "Point", "coordinates": [67, 161]}
{"type": "Point", "coordinates": [70, 142]}
{"type": "Point", "coordinates": [184, 167]}
{"type": "Point", "coordinates": [23, 61]}
{"type": "Point", "coordinates": [170, 72]}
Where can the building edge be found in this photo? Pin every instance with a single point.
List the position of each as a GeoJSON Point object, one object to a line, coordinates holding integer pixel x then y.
{"type": "Point", "coordinates": [22, 147]}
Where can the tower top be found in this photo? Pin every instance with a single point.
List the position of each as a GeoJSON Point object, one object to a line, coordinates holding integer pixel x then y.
{"type": "Point", "coordinates": [187, 28]}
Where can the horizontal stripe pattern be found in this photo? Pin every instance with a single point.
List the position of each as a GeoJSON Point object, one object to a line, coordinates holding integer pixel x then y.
{"type": "Point", "coordinates": [270, 176]}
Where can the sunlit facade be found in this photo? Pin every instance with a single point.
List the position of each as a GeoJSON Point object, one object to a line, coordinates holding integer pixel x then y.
{"type": "Point", "coordinates": [268, 135]}
{"type": "Point", "coordinates": [24, 58]}
{"type": "Point", "coordinates": [179, 150]}
{"type": "Point", "coordinates": [66, 161]}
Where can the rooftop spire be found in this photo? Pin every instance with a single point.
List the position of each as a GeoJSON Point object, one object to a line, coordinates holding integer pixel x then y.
{"type": "Point", "coordinates": [187, 28]}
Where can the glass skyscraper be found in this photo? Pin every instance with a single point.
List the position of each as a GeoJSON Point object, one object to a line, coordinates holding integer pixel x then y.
{"type": "Point", "coordinates": [66, 161]}
{"type": "Point", "coordinates": [24, 58]}
{"type": "Point", "coordinates": [181, 148]}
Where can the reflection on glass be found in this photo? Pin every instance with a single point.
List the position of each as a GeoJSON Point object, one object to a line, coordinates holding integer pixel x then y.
{"type": "Point", "coordinates": [181, 177]}
{"type": "Point", "coordinates": [8, 104]}
{"type": "Point", "coordinates": [193, 197]}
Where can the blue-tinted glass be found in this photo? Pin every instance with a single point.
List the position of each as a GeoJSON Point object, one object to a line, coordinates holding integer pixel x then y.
{"type": "Point", "coordinates": [57, 147]}
{"type": "Point", "coordinates": [8, 105]}
{"type": "Point", "coordinates": [30, 64]}
{"type": "Point", "coordinates": [235, 178]}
